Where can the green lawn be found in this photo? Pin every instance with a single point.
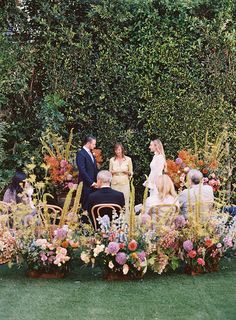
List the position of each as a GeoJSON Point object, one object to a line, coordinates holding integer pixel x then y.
{"type": "Point", "coordinates": [83, 295]}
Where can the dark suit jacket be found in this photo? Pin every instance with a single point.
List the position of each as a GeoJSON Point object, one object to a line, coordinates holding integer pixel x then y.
{"type": "Point", "coordinates": [87, 174]}
{"type": "Point", "coordinates": [87, 168]}
{"type": "Point", "coordinates": [105, 195]}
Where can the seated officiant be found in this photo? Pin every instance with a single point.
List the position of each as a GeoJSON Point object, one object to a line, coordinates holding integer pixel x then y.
{"type": "Point", "coordinates": [105, 194]}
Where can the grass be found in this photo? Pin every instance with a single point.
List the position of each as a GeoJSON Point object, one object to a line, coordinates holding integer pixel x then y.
{"type": "Point", "coordinates": [83, 295]}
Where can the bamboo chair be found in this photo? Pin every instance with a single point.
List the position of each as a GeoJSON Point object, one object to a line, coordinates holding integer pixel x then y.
{"type": "Point", "coordinates": [53, 211]}
{"type": "Point", "coordinates": [98, 208]}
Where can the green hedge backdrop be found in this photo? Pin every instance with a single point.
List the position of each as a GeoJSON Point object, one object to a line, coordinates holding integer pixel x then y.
{"type": "Point", "coordinates": [124, 70]}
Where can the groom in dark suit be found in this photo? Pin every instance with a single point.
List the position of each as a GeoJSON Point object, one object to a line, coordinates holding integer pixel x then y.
{"type": "Point", "coordinates": [87, 169]}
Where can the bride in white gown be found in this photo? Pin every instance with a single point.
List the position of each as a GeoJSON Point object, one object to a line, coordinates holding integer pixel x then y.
{"type": "Point", "coordinates": [157, 165]}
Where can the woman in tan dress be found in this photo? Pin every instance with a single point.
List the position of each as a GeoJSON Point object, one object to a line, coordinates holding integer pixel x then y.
{"type": "Point", "coordinates": [121, 168]}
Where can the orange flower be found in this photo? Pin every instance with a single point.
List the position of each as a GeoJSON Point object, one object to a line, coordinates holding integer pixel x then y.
{"type": "Point", "coordinates": [65, 244]}
{"type": "Point", "coordinates": [213, 165]}
{"type": "Point", "coordinates": [200, 162]}
{"type": "Point", "coordinates": [74, 245]}
{"type": "Point", "coordinates": [134, 255]}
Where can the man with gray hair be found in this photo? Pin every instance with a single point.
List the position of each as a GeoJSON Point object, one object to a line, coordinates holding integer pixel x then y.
{"type": "Point", "coordinates": [105, 194]}
{"type": "Point", "coordinates": [196, 194]}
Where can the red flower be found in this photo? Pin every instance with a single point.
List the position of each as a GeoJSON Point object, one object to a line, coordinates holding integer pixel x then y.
{"type": "Point", "coordinates": [122, 245]}
{"type": "Point", "coordinates": [192, 254]}
{"type": "Point", "coordinates": [208, 243]}
{"type": "Point", "coordinates": [132, 246]}
{"type": "Point", "coordinates": [201, 262]}
{"type": "Point", "coordinates": [205, 171]}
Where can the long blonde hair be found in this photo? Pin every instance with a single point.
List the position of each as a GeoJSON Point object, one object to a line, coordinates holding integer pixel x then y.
{"type": "Point", "coordinates": [165, 187]}
{"type": "Point", "coordinates": [160, 149]}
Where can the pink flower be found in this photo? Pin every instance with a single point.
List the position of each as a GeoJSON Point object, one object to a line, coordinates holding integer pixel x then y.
{"type": "Point", "coordinates": [201, 262]}
{"type": "Point", "coordinates": [63, 163]}
{"type": "Point", "coordinates": [43, 257]}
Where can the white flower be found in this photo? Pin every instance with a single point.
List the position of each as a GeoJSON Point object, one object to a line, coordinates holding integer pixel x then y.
{"type": "Point", "coordinates": [111, 265]}
{"type": "Point", "coordinates": [125, 269]}
{"type": "Point", "coordinates": [1, 245]}
{"type": "Point", "coordinates": [41, 243]}
{"type": "Point", "coordinates": [85, 257]}
{"type": "Point", "coordinates": [98, 249]}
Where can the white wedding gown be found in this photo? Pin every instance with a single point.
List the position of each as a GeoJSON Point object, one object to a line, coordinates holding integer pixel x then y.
{"type": "Point", "coordinates": [157, 166]}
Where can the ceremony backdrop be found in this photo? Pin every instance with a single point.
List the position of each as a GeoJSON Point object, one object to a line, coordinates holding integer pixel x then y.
{"type": "Point", "coordinates": [123, 70]}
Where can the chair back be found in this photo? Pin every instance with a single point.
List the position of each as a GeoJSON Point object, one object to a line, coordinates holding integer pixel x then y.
{"type": "Point", "coordinates": [164, 213]}
{"type": "Point", "coordinates": [98, 211]}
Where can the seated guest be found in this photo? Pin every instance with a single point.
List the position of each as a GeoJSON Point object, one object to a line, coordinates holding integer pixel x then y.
{"type": "Point", "coordinates": [165, 195]}
{"type": "Point", "coordinates": [16, 191]}
{"type": "Point", "coordinates": [105, 194]}
{"type": "Point", "coordinates": [197, 193]}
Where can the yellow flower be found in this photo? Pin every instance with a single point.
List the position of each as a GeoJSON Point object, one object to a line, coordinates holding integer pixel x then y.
{"type": "Point", "coordinates": [30, 166]}
{"type": "Point", "coordinates": [45, 166]}
{"type": "Point", "coordinates": [40, 185]}
{"type": "Point", "coordinates": [32, 178]}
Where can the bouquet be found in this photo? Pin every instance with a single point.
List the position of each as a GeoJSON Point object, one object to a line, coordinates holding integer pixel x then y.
{"type": "Point", "coordinates": [48, 254]}
{"type": "Point", "coordinates": [7, 246]}
{"type": "Point", "coordinates": [112, 248]}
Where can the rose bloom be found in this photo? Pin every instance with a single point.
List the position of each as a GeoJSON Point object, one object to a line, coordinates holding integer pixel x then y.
{"type": "Point", "coordinates": [132, 246]}
{"type": "Point", "coordinates": [192, 254]}
{"type": "Point", "coordinates": [201, 262]}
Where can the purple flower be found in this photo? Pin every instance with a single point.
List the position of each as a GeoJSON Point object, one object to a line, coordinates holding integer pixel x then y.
{"type": "Point", "coordinates": [188, 245]}
{"type": "Point", "coordinates": [60, 233]}
{"type": "Point", "coordinates": [121, 258]}
{"type": "Point", "coordinates": [180, 221]}
{"type": "Point", "coordinates": [178, 161]}
{"type": "Point", "coordinates": [142, 256]}
{"type": "Point", "coordinates": [113, 247]}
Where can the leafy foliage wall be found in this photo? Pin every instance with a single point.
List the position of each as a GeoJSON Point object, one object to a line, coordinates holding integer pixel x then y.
{"type": "Point", "coordinates": [125, 70]}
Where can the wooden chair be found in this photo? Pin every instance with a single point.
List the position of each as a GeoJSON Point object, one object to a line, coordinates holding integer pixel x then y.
{"type": "Point", "coordinates": [165, 212]}
{"type": "Point", "coordinates": [96, 211]}
{"type": "Point", "coordinates": [54, 212]}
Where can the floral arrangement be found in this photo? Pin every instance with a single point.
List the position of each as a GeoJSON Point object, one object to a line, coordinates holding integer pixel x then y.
{"type": "Point", "coordinates": [112, 248]}
{"type": "Point", "coordinates": [209, 160]}
{"type": "Point", "coordinates": [58, 159]}
{"type": "Point", "coordinates": [185, 161]}
{"type": "Point", "coordinates": [97, 153]}
{"type": "Point", "coordinates": [7, 246]}
{"type": "Point", "coordinates": [197, 245]}
{"type": "Point", "coordinates": [202, 248]}
{"type": "Point", "coordinates": [48, 254]}
{"type": "Point", "coordinates": [61, 172]}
